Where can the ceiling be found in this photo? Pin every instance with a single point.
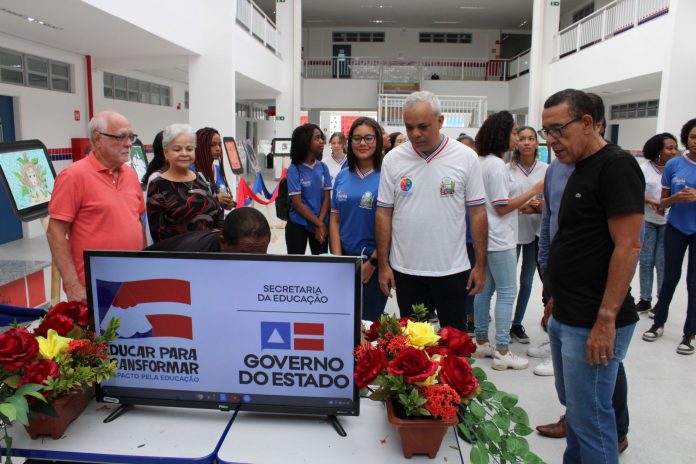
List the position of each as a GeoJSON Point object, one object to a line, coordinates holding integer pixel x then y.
{"type": "Point", "coordinates": [82, 30]}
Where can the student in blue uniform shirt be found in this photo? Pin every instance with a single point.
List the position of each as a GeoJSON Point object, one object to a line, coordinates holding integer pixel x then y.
{"type": "Point", "coordinates": [309, 189]}
{"type": "Point", "coordinates": [353, 204]}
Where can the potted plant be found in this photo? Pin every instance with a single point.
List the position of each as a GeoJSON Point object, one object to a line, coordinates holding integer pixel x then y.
{"type": "Point", "coordinates": [48, 375]}
{"type": "Point", "coordinates": [427, 380]}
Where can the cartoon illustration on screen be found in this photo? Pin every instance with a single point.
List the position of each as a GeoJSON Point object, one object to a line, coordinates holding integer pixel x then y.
{"type": "Point", "coordinates": [32, 176]}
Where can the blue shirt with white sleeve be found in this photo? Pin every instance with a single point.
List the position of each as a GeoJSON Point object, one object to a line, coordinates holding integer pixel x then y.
{"type": "Point", "coordinates": [354, 199]}
{"type": "Point", "coordinates": [680, 172]}
{"type": "Point", "coordinates": [309, 181]}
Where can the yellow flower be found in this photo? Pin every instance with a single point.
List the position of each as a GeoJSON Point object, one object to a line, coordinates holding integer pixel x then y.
{"type": "Point", "coordinates": [421, 334]}
{"type": "Point", "coordinates": [52, 345]}
{"type": "Point", "coordinates": [430, 380]}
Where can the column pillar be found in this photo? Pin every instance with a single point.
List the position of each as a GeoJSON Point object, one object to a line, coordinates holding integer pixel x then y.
{"type": "Point", "coordinates": [289, 23]}
{"type": "Point", "coordinates": [679, 69]}
{"type": "Point", "coordinates": [545, 21]}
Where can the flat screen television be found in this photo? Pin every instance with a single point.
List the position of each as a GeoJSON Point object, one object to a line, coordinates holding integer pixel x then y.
{"type": "Point", "coordinates": [281, 146]}
{"type": "Point", "coordinates": [226, 331]}
{"type": "Point", "coordinates": [543, 153]}
{"type": "Point", "coordinates": [28, 176]}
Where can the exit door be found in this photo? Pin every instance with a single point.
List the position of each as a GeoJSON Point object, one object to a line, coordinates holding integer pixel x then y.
{"type": "Point", "coordinates": [11, 225]}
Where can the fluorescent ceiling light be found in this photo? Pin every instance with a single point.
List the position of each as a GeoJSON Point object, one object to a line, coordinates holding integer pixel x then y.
{"type": "Point", "coordinates": [382, 21]}
{"type": "Point", "coordinates": [380, 7]}
{"type": "Point", "coordinates": [446, 22]}
{"type": "Point", "coordinates": [523, 23]}
{"type": "Point", "coordinates": [472, 7]}
{"type": "Point", "coordinates": [31, 19]}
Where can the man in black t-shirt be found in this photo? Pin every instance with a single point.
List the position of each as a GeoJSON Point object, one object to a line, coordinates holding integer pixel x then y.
{"type": "Point", "coordinates": [590, 266]}
{"type": "Point", "coordinates": [246, 230]}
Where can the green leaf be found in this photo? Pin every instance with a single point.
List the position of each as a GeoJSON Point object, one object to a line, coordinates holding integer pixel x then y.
{"type": "Point", "coordinates": [477, 410]}
{"type": "Point", "coordinates": [13, 381]}
{"type": "Point", "coordinates": [491, 431]}
{"type": "Point", "coordinates": [516, 446]}
{"type": "Point", "coordinates": [468, 435]}
{"type": "Point", "coordinates": [523, 429]}
{"type": "Point", "coordinates": [519, 416]}
{"type": "Point", "coordinates": [29, 388]}
{"type": "Point", "coordinates": [8, 410]}
{"type": "Point", "coordinates": [509, 400]}
{"type": "Point", "coordinates": [478, 455]}
{"type": "Point", "coordinates": [502, 420]}
{"type": "Point", "coordinates": [488, 390]}
{"type": "Point", "coordinates": [380, 395]}
{"type": "Point", "coordinates": [479, 373]}
{"type": "Point", "coordinates": [531, 458]}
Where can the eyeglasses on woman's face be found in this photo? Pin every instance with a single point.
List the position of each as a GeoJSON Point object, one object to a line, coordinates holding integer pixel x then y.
{"type": "Point", "coordinates": [358, 139]}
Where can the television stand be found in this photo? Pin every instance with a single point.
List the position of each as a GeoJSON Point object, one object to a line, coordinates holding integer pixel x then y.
{"type": "Point", "coordinates": [336, 425]}
{"type": "Point", "coordinates": [124, 408]}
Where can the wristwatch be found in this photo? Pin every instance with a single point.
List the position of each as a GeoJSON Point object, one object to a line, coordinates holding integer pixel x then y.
{"type": "Point", "coordinates": [372, 260]}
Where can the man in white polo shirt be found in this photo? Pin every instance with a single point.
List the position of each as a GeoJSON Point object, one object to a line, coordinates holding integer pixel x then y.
{"type": "Point", "coordinates": [425, 187]}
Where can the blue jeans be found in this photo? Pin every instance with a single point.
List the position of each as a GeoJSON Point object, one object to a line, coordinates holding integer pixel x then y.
{"type": "Point", "coordinates": [676, 244]}
{"type": "Point", "coordinates": [652, 256]}
{"type": "Point", "coordinates": [500, 276]}
{"type": "Point", "coordinates": [586, 391]}
{"type": "Point", "coordinates": [529, 265]}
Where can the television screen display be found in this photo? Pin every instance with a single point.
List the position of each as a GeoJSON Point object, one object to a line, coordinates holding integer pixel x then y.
{"type": "Point", "coordinates": [138, 160]}
{"type": "Point", "coordinates": [28, 176]}
{"type": "Point", "coordinates": [281, 146]}
{"type": "Point", "coordinates": [543, 153]}
{"type": "Point", "coordinates": [262, 332]}
{"type": "Point", "coordinates": [233, 155]}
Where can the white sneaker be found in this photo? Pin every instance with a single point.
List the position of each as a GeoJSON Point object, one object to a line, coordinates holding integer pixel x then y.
{"type": "Point", "coordinates": [483, 351]}
{"type": "Point", "coordinates": [509, 360]}
{"type": "Point", "coordinates": [544, 368]}
{"type": "Point", "coordinates": [541, 351]}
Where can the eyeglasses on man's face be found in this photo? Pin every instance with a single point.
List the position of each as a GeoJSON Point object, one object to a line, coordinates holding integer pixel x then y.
{"type": "Point", "coordinates": [369, 139]}
{"type": "Point", "coordinates": [555, 132]}
{"type": "Point", "coordinates": [120, 138]}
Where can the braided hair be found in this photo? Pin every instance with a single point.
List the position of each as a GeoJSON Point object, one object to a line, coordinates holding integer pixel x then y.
{"type": "Point", "coordinates": [204, 158]}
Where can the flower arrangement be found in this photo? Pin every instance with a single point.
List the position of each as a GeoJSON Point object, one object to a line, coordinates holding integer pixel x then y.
{"type": "Point", "coordinates": [62, 356]}
{"type": "Point", "coordinates": [428, 373]}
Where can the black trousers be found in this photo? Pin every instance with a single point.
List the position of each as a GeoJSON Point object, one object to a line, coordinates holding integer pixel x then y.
{"type": "Point", "coordinates": [446, 294]}
{"type": "Point", "coordinates": [296, 238]}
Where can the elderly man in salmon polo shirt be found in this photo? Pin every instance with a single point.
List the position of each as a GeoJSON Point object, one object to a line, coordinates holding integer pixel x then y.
{"type": "Point", "coordinates": [96, 202]}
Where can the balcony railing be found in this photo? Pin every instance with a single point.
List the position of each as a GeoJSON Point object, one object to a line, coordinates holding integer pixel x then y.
{"type": "Point", "coordinates": [260, 26]}
{"type": "Point", "coordinates": [466, 69]}
{"type": "Point", "coordinates": [609, 21]}
{"type": "Point", "coordinates": [459, 112]}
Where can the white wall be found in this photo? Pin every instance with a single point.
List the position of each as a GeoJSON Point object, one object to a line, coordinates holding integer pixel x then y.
{"type": "Point", "coordinates": [633, 133]}
{"type": "Point", "coordinates": [636, 52]}
{"type": "Point", "coordinates": [339, 94]}
{"type": "Point", "coordinates": [400, 43]}
{"type": "Point", "coordinates": [45, 114]}
{"type": "Point", "coordinates": [518, 93]}
{"type": "Point", "coordinates": [146, 120]}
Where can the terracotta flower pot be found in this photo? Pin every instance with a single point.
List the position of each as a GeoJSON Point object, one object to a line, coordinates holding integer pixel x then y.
{"type": "Point", "coordinates": [420, 436]}
{"type": "Point", "coordinates": [68, 408]}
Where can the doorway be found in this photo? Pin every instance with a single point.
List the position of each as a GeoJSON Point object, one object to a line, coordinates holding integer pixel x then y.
{"type": "Point", "coordinates": [341, 61]}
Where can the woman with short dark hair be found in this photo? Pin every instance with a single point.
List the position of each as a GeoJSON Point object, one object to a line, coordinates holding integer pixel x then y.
{"type": "Point", "coordinates": [657, 151]}
{"type": "Point", "coordinates": [309, 189]}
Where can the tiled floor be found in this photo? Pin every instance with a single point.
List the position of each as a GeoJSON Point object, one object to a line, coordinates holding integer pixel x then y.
{"type": "Point", "coordinates": [661, 383]}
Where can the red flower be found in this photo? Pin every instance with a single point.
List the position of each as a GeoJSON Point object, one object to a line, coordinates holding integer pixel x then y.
{"type": "Point", "coordinates": [441, 400]}
{"type": "Point", "coordinates": [458, 341]}
{"type": "Point", "coordinates": [438, 349]}
{"type": "Point", "coordinates": [372, 335]}
{"type": "Point", "coordinates": [75, 310]}
{"type": "Point", "coordinates": [17, 348]}
{"type": "Point", "coordinates": [404, 321]}
{"type": "Point", "coordinates": [456, 372]}
{"type": "Point", "coordinates": [413, 364]}
{"type": "Point", "coordinates": [38, 371]}
{"type": "Point", "coordinates": [56, 321]}
{"type": "Point", "coordinates": [370, 363]}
